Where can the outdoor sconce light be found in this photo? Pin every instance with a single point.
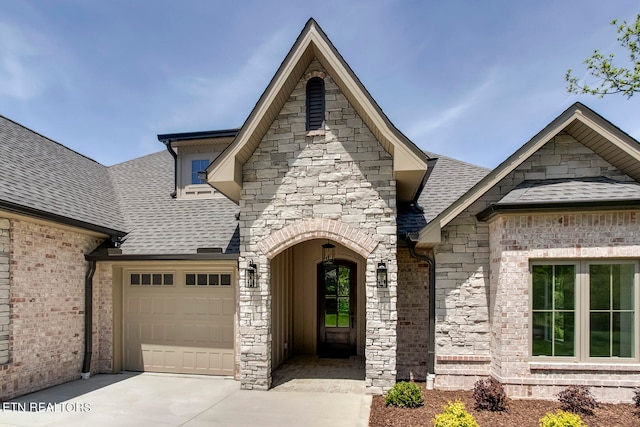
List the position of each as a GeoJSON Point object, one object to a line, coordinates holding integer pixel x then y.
{"type": "Point", "coordinates": [381, 274]}
{"type": "Point", "coordinates": [251, 274]}
{"type": "Point", "coordinates": [328, 253]}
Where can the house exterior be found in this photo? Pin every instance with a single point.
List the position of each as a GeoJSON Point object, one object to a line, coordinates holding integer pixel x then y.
{"type": "Point", "coordinates": [319, 228]}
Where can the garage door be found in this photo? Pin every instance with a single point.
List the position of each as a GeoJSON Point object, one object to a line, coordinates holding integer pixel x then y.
{"type": "Point", "coordinates": [179, 322]}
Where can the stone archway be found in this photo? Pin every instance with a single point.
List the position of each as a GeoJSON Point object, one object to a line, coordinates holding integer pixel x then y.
{"type": "Point", "coordinates": [307, 229]}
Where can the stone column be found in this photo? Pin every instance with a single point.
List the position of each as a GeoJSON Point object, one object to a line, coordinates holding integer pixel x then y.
{"type": "Point", "coordinates": [254, 308]}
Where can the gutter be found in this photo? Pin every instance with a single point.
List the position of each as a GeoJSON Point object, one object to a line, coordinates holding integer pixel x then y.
{"type": "Point", "coordinates": [557, 206]}
{"type": "Point", "coordinates": [161, 257]}
{"type": "Point", "coordinates": [173, 153]}
{"type": "Point", "coordinates": [431, 344]}
{"type": "Point", "coordinates": [88, 321]}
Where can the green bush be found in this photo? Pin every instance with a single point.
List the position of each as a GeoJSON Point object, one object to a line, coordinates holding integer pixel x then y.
{"type": "Point", "coordinates": [561, 419]}
{"type": "Point", "coordinates": [405, 395]}
{"type": "Point", "coordinates": [454, 415]}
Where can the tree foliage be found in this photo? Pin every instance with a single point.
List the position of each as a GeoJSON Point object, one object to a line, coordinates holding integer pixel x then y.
{"type": "Point", "coordinates": [612, 78]}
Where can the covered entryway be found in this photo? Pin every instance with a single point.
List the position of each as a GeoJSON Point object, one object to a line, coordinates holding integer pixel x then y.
{"type": "Point", "coordinates": [317, 308]}
{"type": "Point", "coordinates": [179, 321]}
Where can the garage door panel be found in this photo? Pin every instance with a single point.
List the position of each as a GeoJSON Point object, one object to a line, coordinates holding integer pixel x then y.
{"type": "Point", "coordinates": [180, 329]}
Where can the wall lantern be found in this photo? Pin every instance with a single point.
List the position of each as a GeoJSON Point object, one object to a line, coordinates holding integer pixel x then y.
{"type": "Point", "coordinates": [328, 253]}
{"type": "Point", "coordinates": [251, 275]}
{"type": "Point", "coordinates": [381, 274]}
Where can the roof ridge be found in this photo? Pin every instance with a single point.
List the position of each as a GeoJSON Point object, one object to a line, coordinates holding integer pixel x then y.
{"type": "Point", "coordinates": [435, 156]}
{"type": "Point", "coordinates": [51, 140]}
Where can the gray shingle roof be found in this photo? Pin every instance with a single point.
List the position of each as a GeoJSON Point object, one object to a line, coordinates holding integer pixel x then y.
{"type": "Point", "coordinates": [447, 180]}
{"type": "Point", "coordinates": [41, 175]}
{"type": "Point", "coordinates": [159, 224]}
{"type": "Point", "coordinates": [571, 190]}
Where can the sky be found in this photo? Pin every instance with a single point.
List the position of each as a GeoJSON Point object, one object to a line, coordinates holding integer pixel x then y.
{"type": "Point", "coordinates": [473, 80]}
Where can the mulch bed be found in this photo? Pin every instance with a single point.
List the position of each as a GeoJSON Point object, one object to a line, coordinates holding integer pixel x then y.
{"type": "Point", "coordinates": [521, 413]}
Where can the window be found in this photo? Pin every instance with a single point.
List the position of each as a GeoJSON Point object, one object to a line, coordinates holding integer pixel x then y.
{"type": "Point", "coordinates": [584, 310]}
{"type": "Point", "coordinates": [204, 279]}
{"type": "Point", "coordinates": [315, 103]}
{"type": "Point", "coordinates": [151, 279]}
{"type": "Point", "coordinates": [199, 165]}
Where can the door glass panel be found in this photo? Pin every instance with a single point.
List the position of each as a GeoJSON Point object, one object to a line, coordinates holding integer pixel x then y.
{"type": "Point", "coordinates": [337, 286]}
{"type": "Point", "coordinates": [330, 312]}
{"type": "Point", "coordinates": [343, 312]}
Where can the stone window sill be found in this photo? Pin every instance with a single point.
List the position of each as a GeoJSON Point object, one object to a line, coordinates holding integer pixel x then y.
{"type": "Point", "coordinates": [573, 366]}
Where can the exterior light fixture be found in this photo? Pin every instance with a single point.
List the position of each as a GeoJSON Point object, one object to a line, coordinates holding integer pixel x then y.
{"type": "Point", "coordinates": [328, 253]}
{"type": "Point", "coordinates": [251, 275]}
{"type": "Point", "coordinates": [381, 275]}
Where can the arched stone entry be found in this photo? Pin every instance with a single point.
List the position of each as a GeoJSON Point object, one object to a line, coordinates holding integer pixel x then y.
{"type": "Point", "coordinates": [344, 234]}
{"type": "Point", "coordinates": [269, 331]}
{"type": "Point", "coordinates": [296, 300]}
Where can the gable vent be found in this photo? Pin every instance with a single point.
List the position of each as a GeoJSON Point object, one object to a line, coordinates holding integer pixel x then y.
{"type": "Point", "coordinates": [315, 103]}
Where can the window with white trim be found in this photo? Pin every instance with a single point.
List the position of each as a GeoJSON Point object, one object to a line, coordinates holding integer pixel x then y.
{"type": "Point", "coordinates": [585, 310]}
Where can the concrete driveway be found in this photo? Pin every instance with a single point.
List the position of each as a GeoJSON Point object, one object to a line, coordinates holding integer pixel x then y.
{"type": "Point", "coordinates": [180, 400]}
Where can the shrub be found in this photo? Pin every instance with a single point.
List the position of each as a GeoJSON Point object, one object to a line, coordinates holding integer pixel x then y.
{"type": "Point", "coordinates": [489, 395]}
{"type": "Point", "coordinates": [404, 395]}
{"type": "Point", "coordinates": [636, 397]}
{"type": "Point", "coordinates": [454, 415]}
{"type": "Point", "coordinates": [561, 419]}
{"type": "Point", "coordinates": [577, 399]}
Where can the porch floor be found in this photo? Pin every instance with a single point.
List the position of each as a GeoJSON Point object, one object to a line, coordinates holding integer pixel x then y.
{"type": "Point", "coordinates": [317, 374]}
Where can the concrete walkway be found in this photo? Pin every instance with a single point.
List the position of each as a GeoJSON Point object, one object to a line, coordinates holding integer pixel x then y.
{"type": "Point", "coordinates": [180, 400]}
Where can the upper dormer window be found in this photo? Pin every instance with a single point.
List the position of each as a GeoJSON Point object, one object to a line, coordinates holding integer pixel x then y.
{"type": "Point", "coordinates": [197, 166]}
{"type": "Point", "coordinates": [315, 104]}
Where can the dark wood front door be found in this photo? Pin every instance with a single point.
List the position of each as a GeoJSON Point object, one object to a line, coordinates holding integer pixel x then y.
{"type": "Point", "coordinates": [337, 309]}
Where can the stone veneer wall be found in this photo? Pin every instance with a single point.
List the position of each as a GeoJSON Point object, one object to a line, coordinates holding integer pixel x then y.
{"type": "Point", "coordinates": [5, 246]}
{"type": "Point", "coordinates": [343, 175]}
{"type": "Point", "coordinates": [413, 317]}
{"type": "Point", "coordinates": [467, 348]}
{"type": "Point", "coordinates": [47, 307]}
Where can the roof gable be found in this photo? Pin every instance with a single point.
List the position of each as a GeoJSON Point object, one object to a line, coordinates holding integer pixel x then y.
{"type": "Point", "coordinates": [410, 163]}
{"type": "Point", "coordinates": [583, 124]}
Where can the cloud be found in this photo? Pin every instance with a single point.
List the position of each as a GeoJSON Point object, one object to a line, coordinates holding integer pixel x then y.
{"type": "Point", "coordinates": [224, 98]}
{"type": "Point", "coordinates": [446, 118]}
{"type": "Point", "coordinates": [18, 76]}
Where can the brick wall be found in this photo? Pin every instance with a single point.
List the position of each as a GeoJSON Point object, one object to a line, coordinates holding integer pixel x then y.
{"type": "Point", "coordinates": [472, 340]}
{"type": "Point", "coordinates": [47, 273]}
{"type": "Point", "coordinates": [4, 290]}
{"type": "Point", "coordinates": [413, 317]}
{"type": "Point", "coordinates": [102, 356]}
{"type": "Point", "coordinates": [342, 174]}
{"type": "Point", "coordinates": [515, 240]}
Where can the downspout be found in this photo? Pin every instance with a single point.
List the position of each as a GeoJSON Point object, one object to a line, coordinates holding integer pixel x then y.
{"type": "Point", "coordinates": [88, 320]}
{"type": "Point", "coordinates": [431, 344]}
{"type": "Point", "coordinates": [175, 167]}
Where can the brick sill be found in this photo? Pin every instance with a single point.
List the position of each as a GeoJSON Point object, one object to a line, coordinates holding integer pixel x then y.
{"type": "Point", "coordinates": [568, 366]}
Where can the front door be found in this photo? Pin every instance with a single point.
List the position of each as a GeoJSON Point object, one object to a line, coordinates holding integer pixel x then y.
{"type": "Point", "coordinates": [337, 309]}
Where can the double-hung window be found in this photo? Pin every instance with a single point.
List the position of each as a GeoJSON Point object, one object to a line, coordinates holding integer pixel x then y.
{"type": "Point", "coordinates": [585, 310]}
